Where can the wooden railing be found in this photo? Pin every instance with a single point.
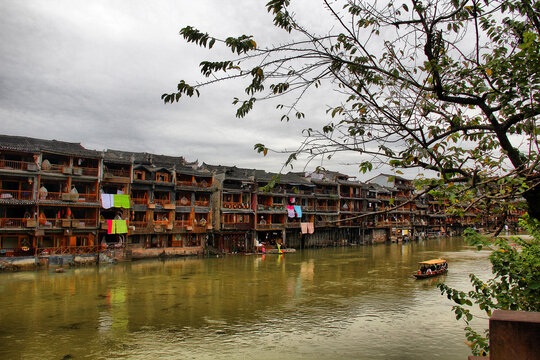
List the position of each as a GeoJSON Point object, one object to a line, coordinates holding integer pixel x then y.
{"type": "Point", "coordinates": [72, 197]}
{"type": "Point", "coordinates": [12, 222]}
{"type": "Point", "coordinates": [202, 203]}
{"type": "Point", "coordinates": [57, 196]}
{"type": "Point", "coordinates": [84, 223]}
{"type": "Point", "coordinates": [117, 173]}
{"type": "Point", "coordinates": [139, 224]}
{"type": "Point", "coordinates": [325, 192]}
{"type": "Point", "coordinates": [87, 171]}
{"type": "Point", "coordinates": [71, 250]}
{"type": "Point", "coordinates": [88, 198]}
{"type": "Point", "coordinates": [182, 223]}
{"type": "Point", "coordinates": [292, 225]}
{"type": "Point", "coordinates": [161, 222]}
{"type": "Point", "coordinates": [16, 194]}
{"type": "Point", "coordinates": [199, 228]}
{"type": "Point", "coordinates": [326, 208]}
{"type": "Point", "coordinates": [139, 201]}
{"type": "Point", "coordinates": [235, 205]}
{"type": "Point", "coordinates": [162, 201]}
{"type": "Point", "coordinates": [396, 223]}
{"type": "Point", "coordinates": [17, 165]}
{"type": "Point", "coordinates": [185, 183]}
{"type": "Point", "coordinates": [236, 226]}
{"type": "Point", "coordinates": [55, 168]}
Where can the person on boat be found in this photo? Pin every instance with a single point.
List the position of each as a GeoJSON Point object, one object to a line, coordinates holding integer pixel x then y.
{"type": "Point", "coordinates": [429, 271]}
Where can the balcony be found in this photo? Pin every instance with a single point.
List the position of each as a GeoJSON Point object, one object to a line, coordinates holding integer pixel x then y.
{"type": "Point", "coordinates": [235, 205]}
{"type": "Point", "coordinates": [270, 226]}
{"type": "Point", "coordinates": [165, 203]}
{"type": "Point", "coordinates": [236, 226]}
{"type": "Point", "coordinates": [139, 201]}
{"type": "Point", "coordinates": [204, 203]}
{"type": "Point", "coordinates": [15, 194]}
{"type": "Point", "coordinates": [182, 223]}
{"type": "Point", "coordinates": [292, 225]}
{"type": "Point", "coordinates": [202, 184]}
{"type": "Point", "coordinates": [271, 207]}
{"type": "Point", "coordinates": [161, 222]}
{"type": "Point", "coordinates": [326, 208]}
{"type": "Point", "coordinates": [185, 183]}
{"type": "Point", "coordinates": [87, 198]}
{"type": "Point", "coordinates": [85, 171]}
{"type": "Point", "coordinates": [17, 165]}
{"type": "Point", "coordinates": [50, 196]}
{"type": "Point", "coordinates": [71, 197]}
{"type": "Point", "coordinates": [183, 202]}
{"type": "Point", "coordinates": [326, 192]}
{"type": "Point", "coordinates": [118, 173]}
{"type": "Point", "coordinates": [139, 224]}
{"type": "Point", "coordinates": [201, 228]}
{"type": "Point", "coordinates": [194, 184]}
{"type": "Point", "coordinates": [83, 223]}
{"type": "Point", "coordinates": [16, 222]}
{"type": "Point", "coordinates": [57, 169]}
{"type": "Point", "coordinates": [68, 250]}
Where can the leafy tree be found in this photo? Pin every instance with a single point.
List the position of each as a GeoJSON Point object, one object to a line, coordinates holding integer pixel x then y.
{"type": "Point", "coordinates": [449, 86]}
{"type": "Point", "coordinates": [516, 285]}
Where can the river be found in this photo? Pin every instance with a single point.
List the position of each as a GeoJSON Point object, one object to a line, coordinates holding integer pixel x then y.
{"type": "Point", "coordinates": [335, 303]}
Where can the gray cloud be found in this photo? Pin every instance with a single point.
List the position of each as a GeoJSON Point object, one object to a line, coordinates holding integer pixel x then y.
{"type": "Point", "coordinates": [93, 72]}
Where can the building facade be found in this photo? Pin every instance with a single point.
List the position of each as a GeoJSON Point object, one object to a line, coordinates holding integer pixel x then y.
{"type": "Point", "coordinates": [58, 198]}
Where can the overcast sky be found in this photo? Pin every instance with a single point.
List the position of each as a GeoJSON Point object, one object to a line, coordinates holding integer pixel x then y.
{"type": "Point", "coordinates": [93, 72]}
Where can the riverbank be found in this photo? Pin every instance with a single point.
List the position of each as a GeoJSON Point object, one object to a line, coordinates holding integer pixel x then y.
{"type": "Point", "coordinates": [29, 263]}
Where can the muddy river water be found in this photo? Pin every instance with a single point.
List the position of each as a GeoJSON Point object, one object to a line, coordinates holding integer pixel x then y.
{"type": "Point", "coordinates": [335, 303]}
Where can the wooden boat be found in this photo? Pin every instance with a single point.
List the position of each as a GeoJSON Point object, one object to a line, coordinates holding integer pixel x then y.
{"type": "Point", "coordinates": [431, 268]}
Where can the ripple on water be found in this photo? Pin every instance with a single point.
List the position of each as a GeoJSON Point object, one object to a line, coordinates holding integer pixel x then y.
{"type": "Point", "coordinates": [358, 303]}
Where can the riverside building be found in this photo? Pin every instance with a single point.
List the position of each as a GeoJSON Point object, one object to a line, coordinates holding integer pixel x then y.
{"type": "Point", "coordinates": [59, 200]}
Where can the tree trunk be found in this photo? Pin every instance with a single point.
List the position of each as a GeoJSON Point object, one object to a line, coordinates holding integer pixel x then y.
{"type": "Point", "coordinates": [532, 196]}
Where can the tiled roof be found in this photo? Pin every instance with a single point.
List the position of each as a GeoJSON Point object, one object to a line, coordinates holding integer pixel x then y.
{"type": "Point", "coordinates": [31, 145]}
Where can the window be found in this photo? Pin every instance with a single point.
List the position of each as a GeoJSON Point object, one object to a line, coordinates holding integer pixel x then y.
{"type": "Point", "coordinates": [193, 240]}
{"type": "Point", "coordinates": [10, 242]}
{"type": "Point", "coordinates": [162, 177]}
{"type": "Point", "coordinates": [138, 174]}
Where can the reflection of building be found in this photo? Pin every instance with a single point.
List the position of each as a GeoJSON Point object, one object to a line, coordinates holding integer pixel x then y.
{"type": "Point", "coordinates": [59, 198]}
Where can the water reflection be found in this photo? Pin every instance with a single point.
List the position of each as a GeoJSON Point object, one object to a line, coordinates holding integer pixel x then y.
{"type": "Point", "coordinates": [330, 303]}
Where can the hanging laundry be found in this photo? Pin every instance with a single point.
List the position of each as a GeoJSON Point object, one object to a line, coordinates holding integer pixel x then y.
{"type": "Point", "coordinates": [290, 210]}
{"type": "Point", "coordinates": [304, 228]}
{"type": "Point", "coordinates": [292, 200]}
{"type": "Point", "coordinates": [311, 228]}
{"type": "Point", "coordinates": [121, 201]}
{"type": "Point", "coordinates": [121, 226]}
{"type": "Point", "coordinates": [106, 201]}
{"type": "Point", "coordinates": [298, 211]}
{"type": "Point", "coordinates": [111, 227]}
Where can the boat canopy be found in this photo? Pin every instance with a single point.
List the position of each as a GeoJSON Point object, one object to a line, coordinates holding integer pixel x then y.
{"type": "Point", "coordinates": [433, 262]}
